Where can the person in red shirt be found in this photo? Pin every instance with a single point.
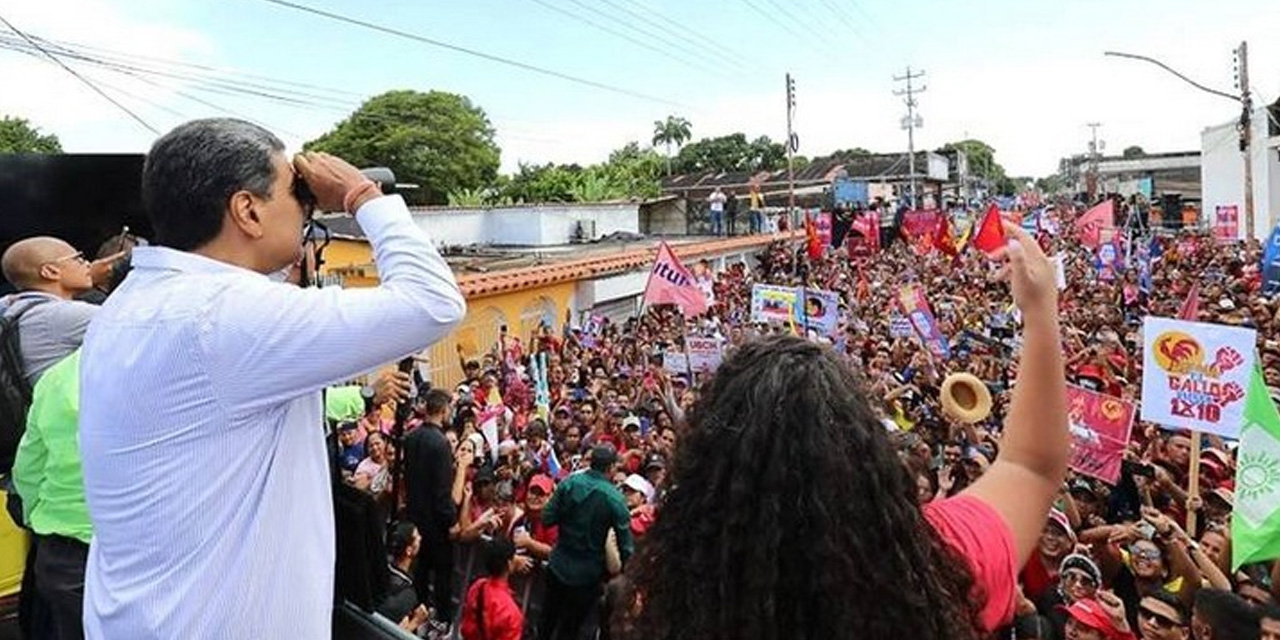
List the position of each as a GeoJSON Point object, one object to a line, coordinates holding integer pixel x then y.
{"type": "Point", "coordinates": [791, 514]}
{"type": "Point", "coordinates": [532, 536]}
{"type": "Point", "coordinates": [490, 611]}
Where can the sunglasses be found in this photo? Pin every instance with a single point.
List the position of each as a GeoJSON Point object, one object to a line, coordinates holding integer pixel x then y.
{"type": "Point", "coordinates": [1146, 554]}
{"type": "Point", "coordinates": [1160, 621]}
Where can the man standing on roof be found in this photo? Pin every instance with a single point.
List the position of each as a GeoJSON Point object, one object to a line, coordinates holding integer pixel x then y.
{"type": "Point", "coordinates": [716, 202]}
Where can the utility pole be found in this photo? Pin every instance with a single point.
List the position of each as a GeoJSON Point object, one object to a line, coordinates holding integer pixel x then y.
{"type": "Point", "coordinates": [1244, 127]}
{"type": "Point", "coordinates": [910, 123]}
{"type": "Point", "coordinates": [1091, 182]}
{"type": "Point", "coordinates": [1245, 130]}
{"type": "Point", "coordinates": [793, 145]}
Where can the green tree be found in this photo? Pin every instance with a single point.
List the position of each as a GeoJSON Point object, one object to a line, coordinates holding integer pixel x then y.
{"type": "Point", "coordinates": [437, 140]}
{"type": "Point", "coordinates": [731, 153]}
{"type": "Point", "coordinates": [18, 136]}
{"type": "Point", "coordinates": [1134, 152]}
{"type": "Point", "coordinates": [672, 131]}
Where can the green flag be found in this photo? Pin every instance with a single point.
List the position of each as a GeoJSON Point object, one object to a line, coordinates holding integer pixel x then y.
{"type": "Point", "coordinates": [1255, 521]}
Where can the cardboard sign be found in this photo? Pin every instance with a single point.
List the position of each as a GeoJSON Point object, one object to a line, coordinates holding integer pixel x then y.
{"type": "Point", "coordinates": [1100, 426]}
{"type": "Point", "coordinates": [823, 224]}
{"type": "Point", "coordinates": [1195, 375]}
{"type": "Point", "coordinates": [821, 311]}
{"type": "Point", "coordinates": [675, 362]}
{"type": "Point", "coordinates": [704, 355]}
{"type": "Point", "coordinates": [770, 303]}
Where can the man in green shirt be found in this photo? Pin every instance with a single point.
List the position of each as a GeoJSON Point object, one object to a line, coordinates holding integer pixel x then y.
{"type": "Point", "coordinates": [47, 474]}
{"type": "Point", "coordinates": [585, 507]}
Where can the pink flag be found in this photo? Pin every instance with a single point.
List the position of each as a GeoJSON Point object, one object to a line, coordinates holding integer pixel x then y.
{"type": "Point", "coordinates": [671, 283]}
{"type": "Point", "coordinates": [1090, 225]}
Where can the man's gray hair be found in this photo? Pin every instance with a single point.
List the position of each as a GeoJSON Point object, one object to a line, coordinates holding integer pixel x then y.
{"type": "Point", "coordinates": [192, 171]}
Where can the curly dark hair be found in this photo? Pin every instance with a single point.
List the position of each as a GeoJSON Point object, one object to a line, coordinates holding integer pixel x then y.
{"type": "Point", "coordinates": [791, 516]}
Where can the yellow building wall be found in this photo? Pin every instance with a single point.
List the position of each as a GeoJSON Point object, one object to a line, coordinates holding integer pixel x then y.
{"type": "Point", "coordinates": [521, 312]}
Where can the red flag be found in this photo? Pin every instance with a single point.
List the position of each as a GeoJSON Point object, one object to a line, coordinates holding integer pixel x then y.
{"type": "Point", "coordinates": [990, 236]}
{"type": "Point", "coordinates": [942, 238]}
{"type": "Point", "coordinates": [671, 283]}
{"type": "Point", "coordinates": [1089, 226]}
{"type": "Point", "coordinates": [1191, 306]}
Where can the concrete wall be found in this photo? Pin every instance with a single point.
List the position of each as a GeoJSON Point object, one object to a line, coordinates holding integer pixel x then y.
{"type": "Point", "coordinates": [525, 226]}
{"type": "Point", "coordinates": [668, 217]}
{"type": "Point", "coordinates": [1222, 174]}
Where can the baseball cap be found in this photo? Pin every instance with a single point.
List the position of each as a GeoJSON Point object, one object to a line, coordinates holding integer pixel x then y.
{"type": "Point", "coordinates": [1080, 485]}
{"type": "Point", "coordinates": [655, 461]}
{"type": "Point", "coordinates": [637, 483]}
{"type": "Point", "coordinates": [1224, 495]}
{"type": "Point", "coordinates": [347, 425]}
{"type": "Point", "coordinates": [1091, 614]}
{"type": "Point", "coordinates": [542, 483]}
{"type": "Point", "coordinates": [631, 422]}
{"type": "Point", "coordinates": [1081, 562]}
{"type": "Point", "coordinates": [1059, 518]}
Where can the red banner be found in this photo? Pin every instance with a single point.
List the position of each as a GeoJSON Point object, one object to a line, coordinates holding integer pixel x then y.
{"type": "Point", "coordinates": [1100, 426]}
{"type": "Point", "coordinates": [920, 222]}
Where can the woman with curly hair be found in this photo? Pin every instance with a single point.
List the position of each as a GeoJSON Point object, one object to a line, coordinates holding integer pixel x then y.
{"type": "Point", "coordinates": [791, 516]}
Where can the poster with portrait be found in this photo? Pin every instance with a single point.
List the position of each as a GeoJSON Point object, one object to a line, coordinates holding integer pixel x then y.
{"type": "Point", "coordinates": [1100, 426]}
{"type": "Point", "coordinates": [1195, 375]}
{"type": "Point", "coordinates": [821, 311]}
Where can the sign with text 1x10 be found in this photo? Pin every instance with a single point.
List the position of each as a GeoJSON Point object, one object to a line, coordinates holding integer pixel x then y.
{"type": "Point", "coordinates": [1195, 375]}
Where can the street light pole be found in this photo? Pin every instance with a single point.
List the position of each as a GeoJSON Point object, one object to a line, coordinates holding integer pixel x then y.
{"type": "Point", "coordinates": [1246, 103]}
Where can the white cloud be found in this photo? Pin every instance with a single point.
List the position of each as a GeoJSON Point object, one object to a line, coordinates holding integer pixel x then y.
{"type": "Point", "coordinates": [57, 102]}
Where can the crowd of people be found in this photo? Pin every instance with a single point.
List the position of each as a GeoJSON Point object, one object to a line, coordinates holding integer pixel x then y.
{"type": "Point", "coordinates": [812, 486]}
{"type": "Point", "coordinates": [607, 390]}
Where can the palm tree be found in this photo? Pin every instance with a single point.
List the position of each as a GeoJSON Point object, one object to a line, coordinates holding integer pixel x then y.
{"type": "Point", "coordinates": [674, 130]}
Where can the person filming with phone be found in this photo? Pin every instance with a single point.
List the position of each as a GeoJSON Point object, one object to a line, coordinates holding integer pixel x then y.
{"type": "Point", "coordinates": [204, 351]}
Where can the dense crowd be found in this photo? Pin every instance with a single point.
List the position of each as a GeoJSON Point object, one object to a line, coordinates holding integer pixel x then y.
{"type": "Point", "coordinates": [605, 383]}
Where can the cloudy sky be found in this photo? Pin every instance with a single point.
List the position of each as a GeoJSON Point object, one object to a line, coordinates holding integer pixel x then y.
{"type": "Point", "coordinates": [1024, 75]}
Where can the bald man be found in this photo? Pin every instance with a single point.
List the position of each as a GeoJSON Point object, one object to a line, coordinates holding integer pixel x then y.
{"type": "Point", "coordinates": [48, 273]}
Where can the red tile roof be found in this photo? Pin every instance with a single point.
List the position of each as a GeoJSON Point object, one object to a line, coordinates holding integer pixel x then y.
{"type": "Point", "coordinates": [488, 284]}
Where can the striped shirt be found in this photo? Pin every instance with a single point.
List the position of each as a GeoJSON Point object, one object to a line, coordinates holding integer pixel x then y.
{"type": "Point", "coordinates": [201, 433]}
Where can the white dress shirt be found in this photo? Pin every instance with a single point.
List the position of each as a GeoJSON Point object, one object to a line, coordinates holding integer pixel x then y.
{"type": "Point", "coordinates": [201, 431]}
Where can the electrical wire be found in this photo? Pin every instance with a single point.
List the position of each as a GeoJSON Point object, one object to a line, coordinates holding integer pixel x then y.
{"type": "Point", "coordinates": [473, 52]}
{"type": "Point", "coordinates": [619, 34]}
{"type": "Point", "coordinates": [81, 78]}
{"type": "Point", "coordinates": [659, 34]}
{"type": "Point", "coordinates": [723, 50]}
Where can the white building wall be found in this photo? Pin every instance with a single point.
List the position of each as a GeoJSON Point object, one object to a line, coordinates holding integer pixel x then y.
{"type": "Point", "coordinates": [1222, 174]}
{"type": "Point", "coordinates": [525, 226]}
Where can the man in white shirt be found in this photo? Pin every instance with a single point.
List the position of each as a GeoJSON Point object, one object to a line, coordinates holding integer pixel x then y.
{"type": "Point", "coordinates": [201, 422]}
{"type": "Point", "coordinates": [716, 202]}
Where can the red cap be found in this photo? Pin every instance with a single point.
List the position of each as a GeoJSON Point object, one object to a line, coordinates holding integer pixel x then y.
{"type": "Point", "coordinates": [542, 483]}
{"type": "Point", "coordinates": [1091, 614]}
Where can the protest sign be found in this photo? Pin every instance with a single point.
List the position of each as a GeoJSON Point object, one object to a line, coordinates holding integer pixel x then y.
{"type": "Point", "coordinates": [920, 222]}
{"type": "Point", "coordinates": [899, 327]}
{"type": "Point", "coordinates": [675, 362]}
{"type": "Point", "coordinates": [1226, 223]}
{"type": "Point", "coordinates": [821, 310]}
{"type": "Point", "coordinates": [771, 303]}
{"type": "Point", "coordinates": [704, 354]}
{"type": "Point", "coordinates": [913, 302]}
{"type": "Point", "coordinates": [823, 224]}
{"type": "Point", "coordinates": [1100, 426]}
{"type": "Point", "coordinates": [1195, 375]}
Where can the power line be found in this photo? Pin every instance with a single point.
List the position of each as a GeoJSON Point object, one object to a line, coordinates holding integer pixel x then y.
{"type": "Point", "coordinates": [81, 78]}
{"type": "Point", "coordinates": [722, 50]}
{"type": "Point", "coordinates": [619, 34]}
{"type": "Point", "coordinates": [660, 29]}
{"type": "Point", "coordinates": [840, 14]}
{"type": "Point", "coordinates": [472, 52]}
